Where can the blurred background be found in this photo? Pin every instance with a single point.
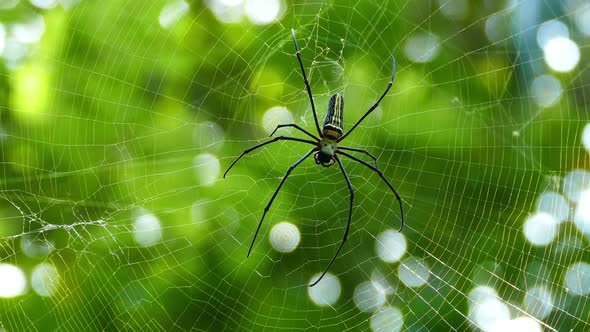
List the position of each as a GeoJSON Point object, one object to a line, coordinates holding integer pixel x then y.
{"type": "Point", "coordinates": [118, 119]}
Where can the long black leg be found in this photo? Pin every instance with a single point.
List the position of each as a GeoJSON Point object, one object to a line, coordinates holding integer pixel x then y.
{"type": "Point", "coordinates": [279, 138]}
{"type": "Point", "coordinates": [399, 199]}
{"type": "Point", "coordinates": [275, 194]}
{"type": "Point", "coordinates": [376, 104]}
{"type": "Point", "coordinates": [315, 117]}
{"type": "Point", "coordinates": [361, 151]}
{"type": "Point", "coordinates": [351, 190]}
{"type": "Point", "coordinates": [296, 127]}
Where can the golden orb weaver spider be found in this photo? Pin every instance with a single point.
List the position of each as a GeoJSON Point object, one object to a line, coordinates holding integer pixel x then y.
{"type": "Point", "coordinates": [326, 150]}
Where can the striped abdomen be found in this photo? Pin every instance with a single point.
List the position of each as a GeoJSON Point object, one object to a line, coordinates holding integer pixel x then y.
{"type": "Point", "coordinates": [334, 122]}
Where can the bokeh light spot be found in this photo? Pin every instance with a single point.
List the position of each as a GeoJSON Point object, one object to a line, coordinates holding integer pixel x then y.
{"type": "Point", "coordinates": [561, 54]}
{"type": "Point", "coordinates": [367, 298]}
{"type": "Point", "coordinates": [231, 2]}
{"type": "Point", "coordinates": [481, 293]}
{"type": "Point", "coordinates": [381, 283]}
{"type": "Point", "coordinates": [227, 11]}
{"type": "Point", "coordinates": [284, 237]}
{"type": "Point", "coordinates": [391, 246]}
{"type": "Point", "coordinates": [387, 319]}
{"type": "Point", "coordinates": [36, 247]}
{"type": "Point", "coordinates": [582, 213]}
{"type": "Point", "coordinates": [44, 4]}
{"type": "Point", "coordinates": [147, 230]}
{"type": "Point", "coordinates": [14, 52]}
{"type": "Point", "coordinates": [489, 312]}
{"type": "Point", "coordinates": [520, 324]}
{"type": "Point", "coordinates": [454, 9]}
{"type": "Point", "coordinates": [574, 183]}
{"type": "Point", "coordinates": [550, 30]}
{"type": "Point", "coordinates": [538, 302]}
{"type": "Point", "coordinates": [45, 279]}
{"type": "Point", "coordinates": [497, 27]}
{"type": "Point", "coordinates": [207, 168]}
{"type": "Point", "coordinates": [554, 204]}
{"type": "Point", "coordinates": [173, 12]}
{"type": "Point", "coordinates": [414, 272]}
{"type": "Point", "coordinates": [546, 90]}
{"type": "Point", "coordinates": [2, 38]}
{"type": "Point", "coordinates": [67, 4]}
{"type": "Point", "coordinates": [276, 116]}
{"type": "Point", "coordinates": [422, 47]}
{"type": "Point", "coordinates": [582, 20]}
{"type": "Point", "coordinates": [540, 228]}
{"type": "Point", "coordinates": [262, 12]}
{"type": "Point", "coordinates": [326, 292]}
{"type": "Point", "coordinates": [12, 280]}
{"type": "Point", "coordinates": [29, 31]}
{"type": "Point", "coordinates": [586, 137]}
{"type": "Point", "coordinates": [577, 278]}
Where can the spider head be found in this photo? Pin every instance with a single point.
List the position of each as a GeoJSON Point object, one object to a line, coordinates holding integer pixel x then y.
{"type": "Point", "coordinates": [325, 155]}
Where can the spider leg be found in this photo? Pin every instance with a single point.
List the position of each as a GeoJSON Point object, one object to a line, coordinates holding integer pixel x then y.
{"type": "Point", "coordinates": [296, 127]}
{"type": "Point", "coordinates": [378, 171]}
{"type": "Point", "coordinates": [279, 138]}
{"type": "Point", "coordinates": [315, 117]}
{"type": "Point", "coordinates": [291, 168]}
{"type": "Point", "coordinates": [374, 105]}
{"type": "Point", "coordinates": [351, 190]}
{"type": "Point", "coordinates": [361, 151]}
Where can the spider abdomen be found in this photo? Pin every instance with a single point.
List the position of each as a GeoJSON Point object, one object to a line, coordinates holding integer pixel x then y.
{"type": "Point", "coordinates": [334, 121]}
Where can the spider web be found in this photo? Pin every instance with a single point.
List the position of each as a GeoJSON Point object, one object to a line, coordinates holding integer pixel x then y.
{"type": "Point", "coordinates": [118, 124]}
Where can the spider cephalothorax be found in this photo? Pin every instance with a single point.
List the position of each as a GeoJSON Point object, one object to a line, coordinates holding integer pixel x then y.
{"type": "Point", "coordinates": [326, 149]}
{"type": "Point", "coordinates": [326, 152]}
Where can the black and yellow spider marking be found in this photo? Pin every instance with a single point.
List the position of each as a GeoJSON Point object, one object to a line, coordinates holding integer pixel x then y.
{"type": "Point", "coordinates": [326, 150]}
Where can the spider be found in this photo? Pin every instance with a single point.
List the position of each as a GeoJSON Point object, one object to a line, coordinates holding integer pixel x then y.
{"type": "Point", "coordinates": [326, 150]}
